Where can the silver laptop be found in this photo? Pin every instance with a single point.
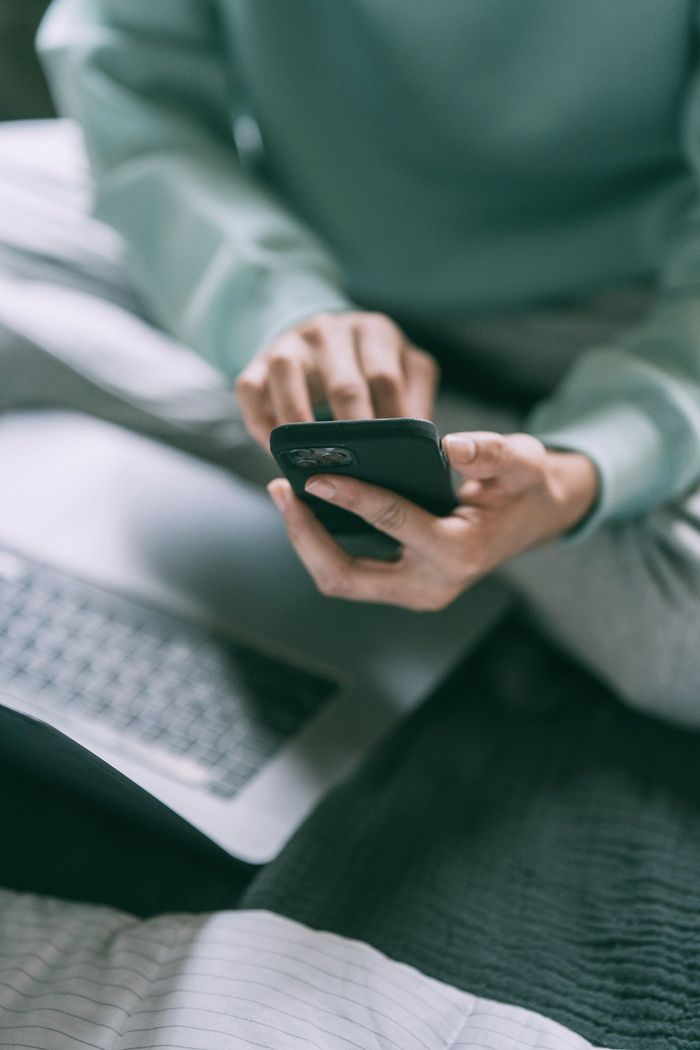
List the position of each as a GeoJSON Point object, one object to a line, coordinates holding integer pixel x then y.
{"type": "Point", "coordinates": [153, 612]}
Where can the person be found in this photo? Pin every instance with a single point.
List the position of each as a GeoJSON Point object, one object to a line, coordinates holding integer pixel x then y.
{"type": "Point", "coordinates": [323, 199]}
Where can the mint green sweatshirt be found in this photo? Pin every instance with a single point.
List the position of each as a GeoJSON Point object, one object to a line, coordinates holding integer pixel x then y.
{"type": "Point", "coordinates": [434, 159]}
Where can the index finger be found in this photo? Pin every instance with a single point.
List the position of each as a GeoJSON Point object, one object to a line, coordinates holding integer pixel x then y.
{"type": "Point", "coordinates": [335, 573]}
{"type": "Point", "coordinates": [390, 513]}
{"type": "Point", "coordinates": [343, 382]}
{"type": "Point", "coordinates": [251, 391]}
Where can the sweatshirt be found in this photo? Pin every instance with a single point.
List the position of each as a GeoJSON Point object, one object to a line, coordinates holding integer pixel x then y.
{"type": "Point", "coordinates": [266, 160]}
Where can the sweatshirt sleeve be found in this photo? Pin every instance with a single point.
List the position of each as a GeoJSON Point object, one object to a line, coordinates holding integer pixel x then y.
{"type": "Point", "coordinates": [634, 407]}
{"type": "Point", "coordinates": [219, 260]}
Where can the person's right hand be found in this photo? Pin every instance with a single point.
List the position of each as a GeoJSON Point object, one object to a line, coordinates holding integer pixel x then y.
{"type": "Point", "coordinates": [360, 365]}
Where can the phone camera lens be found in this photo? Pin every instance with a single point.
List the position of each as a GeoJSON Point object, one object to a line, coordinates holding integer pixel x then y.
{"type": "Point", "coordinates": [303, 457]}
{"type": "Point", "coordinates": [333, 456]}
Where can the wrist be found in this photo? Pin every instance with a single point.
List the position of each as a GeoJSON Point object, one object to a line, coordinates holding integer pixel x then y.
{"type": "Point", "coordinates": [572, 481]}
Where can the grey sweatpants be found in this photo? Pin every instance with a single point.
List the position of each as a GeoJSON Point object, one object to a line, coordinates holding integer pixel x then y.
{"type": "Point", "coordinates": [73, 333]}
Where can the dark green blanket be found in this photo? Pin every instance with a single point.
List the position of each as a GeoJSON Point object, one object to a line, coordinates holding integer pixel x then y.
{"type": "Point", "coordinates": [543, 853]}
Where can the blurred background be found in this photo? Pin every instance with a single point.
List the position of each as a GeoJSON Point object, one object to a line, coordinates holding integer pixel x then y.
{"type": "Point", "coordinates": [23, 92]}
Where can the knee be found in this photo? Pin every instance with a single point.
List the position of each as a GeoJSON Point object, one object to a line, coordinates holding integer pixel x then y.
{"type": "Point", "coordinates": [662, 688]}
{"type": "Point", "coordinates": [627, 604]}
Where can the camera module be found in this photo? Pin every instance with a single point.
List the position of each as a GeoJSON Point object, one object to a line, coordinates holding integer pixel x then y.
{"type": "Point", "coordinates": [335, 456]}
{"type": "Point", "coordinates": [302, 457]}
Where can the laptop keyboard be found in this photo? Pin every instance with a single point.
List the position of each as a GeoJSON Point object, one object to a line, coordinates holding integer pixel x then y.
{"type": "Point", "coordinates": [201, 707]}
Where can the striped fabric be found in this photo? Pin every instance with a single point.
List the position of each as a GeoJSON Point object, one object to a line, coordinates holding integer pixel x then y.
{"type": "Point", "coordinates": [75, 976]}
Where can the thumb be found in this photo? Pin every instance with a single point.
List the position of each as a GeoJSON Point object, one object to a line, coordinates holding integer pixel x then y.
{"type": "Point", "coordinates": [477, 454]}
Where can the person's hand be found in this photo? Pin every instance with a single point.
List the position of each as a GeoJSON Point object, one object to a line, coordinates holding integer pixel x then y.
{"type": "Point", "coordinates": [515, 494]}
{"type": "Point", "coordinates": [359, 364]}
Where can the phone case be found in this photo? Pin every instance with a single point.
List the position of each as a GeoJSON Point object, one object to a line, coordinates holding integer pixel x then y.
{"type": "Point", "coordinates": [404, 455]}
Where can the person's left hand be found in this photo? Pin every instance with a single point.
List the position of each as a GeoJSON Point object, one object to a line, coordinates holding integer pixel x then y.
{"type": "Point", "coordinates": [515, 494]}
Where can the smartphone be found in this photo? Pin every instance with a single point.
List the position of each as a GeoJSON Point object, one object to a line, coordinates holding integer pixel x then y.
{"type": "Point", "coordinates": [404, 455]}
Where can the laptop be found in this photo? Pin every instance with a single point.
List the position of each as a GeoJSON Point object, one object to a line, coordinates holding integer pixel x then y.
{"type": "Point", "coordinates": [155, 621]}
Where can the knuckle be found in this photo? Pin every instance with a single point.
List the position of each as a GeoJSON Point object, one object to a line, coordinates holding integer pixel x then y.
{"type": "Point", "coordinates": [491, 452]}
{"type": "Point", "coordinates": [246, 384]}
{"type": "Point", "coordinates": [286, 350]}
{"type": "Point", "coordinates": [425, 362]}
{"type": "Point", "coordinates": [280, 357]}
{"type": "Point", "coordinates": [331, 583]}
{"type": "Point", "coordinates": [382, 325]}
{"type": "Point", "coordinates": [385, 381]}
{"type": "Point", "coordinates": [345, 391]}
{"type": "Point", "coordinates": [319, 329]}
{"type": "Point", "coordinates": [307, 330]}
{"type": "Point", "coordinates": [391, 517]}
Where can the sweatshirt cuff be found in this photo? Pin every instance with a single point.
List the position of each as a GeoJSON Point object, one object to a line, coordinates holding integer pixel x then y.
{"type": "Point", "coordinates": [271, 307]}
{"type": "Point", "coordinates": [304, 297]}
{"type": "Point", "coordinates": [626, 450]}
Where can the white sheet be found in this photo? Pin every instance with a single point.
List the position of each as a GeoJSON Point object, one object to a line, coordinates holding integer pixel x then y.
{"type": "Point", "coordinates": [76, 975]}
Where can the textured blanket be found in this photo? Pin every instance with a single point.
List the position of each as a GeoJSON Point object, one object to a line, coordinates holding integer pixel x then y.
{"type": "Point", "coordinates": [525, 837]}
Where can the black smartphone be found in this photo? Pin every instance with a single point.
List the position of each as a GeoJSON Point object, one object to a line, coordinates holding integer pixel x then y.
{"type": "Point", "coordinates": [404, 455]}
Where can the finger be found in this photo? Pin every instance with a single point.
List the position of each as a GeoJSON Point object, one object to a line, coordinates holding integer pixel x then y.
{"type": "Point", "coordinates": [386, 511]}
{"type": "Point", "coordinates": [422, 378]}
{"type": "Point", "coordinates": [251, 391]}
{"type": "Point", "coordinates": [337, 364]}
{"type": "Point", "coordinates": [334, 572]}
{"type": "Point", "coordinates": [288, 389]}
{"type": "Point", "coordinates": [380, 347]}
{"type": "Point", "coordinates": [306, 531]}
{"type": "Point", "coordinates": [477, 454]}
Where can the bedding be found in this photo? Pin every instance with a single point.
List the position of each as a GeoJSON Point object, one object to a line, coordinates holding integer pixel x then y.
{"type": "Point", "coordinates": [75, 975]}
{"type": "Point", "coordinates": [527, 838]}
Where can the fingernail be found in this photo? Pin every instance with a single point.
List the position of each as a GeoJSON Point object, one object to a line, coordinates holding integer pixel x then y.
{"type": "Point", "coordinates": [462, 446]}
{"type": "Point", "coordinates": [278, 497]}
{"type": "Point", "coordinates": [321, 487]}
